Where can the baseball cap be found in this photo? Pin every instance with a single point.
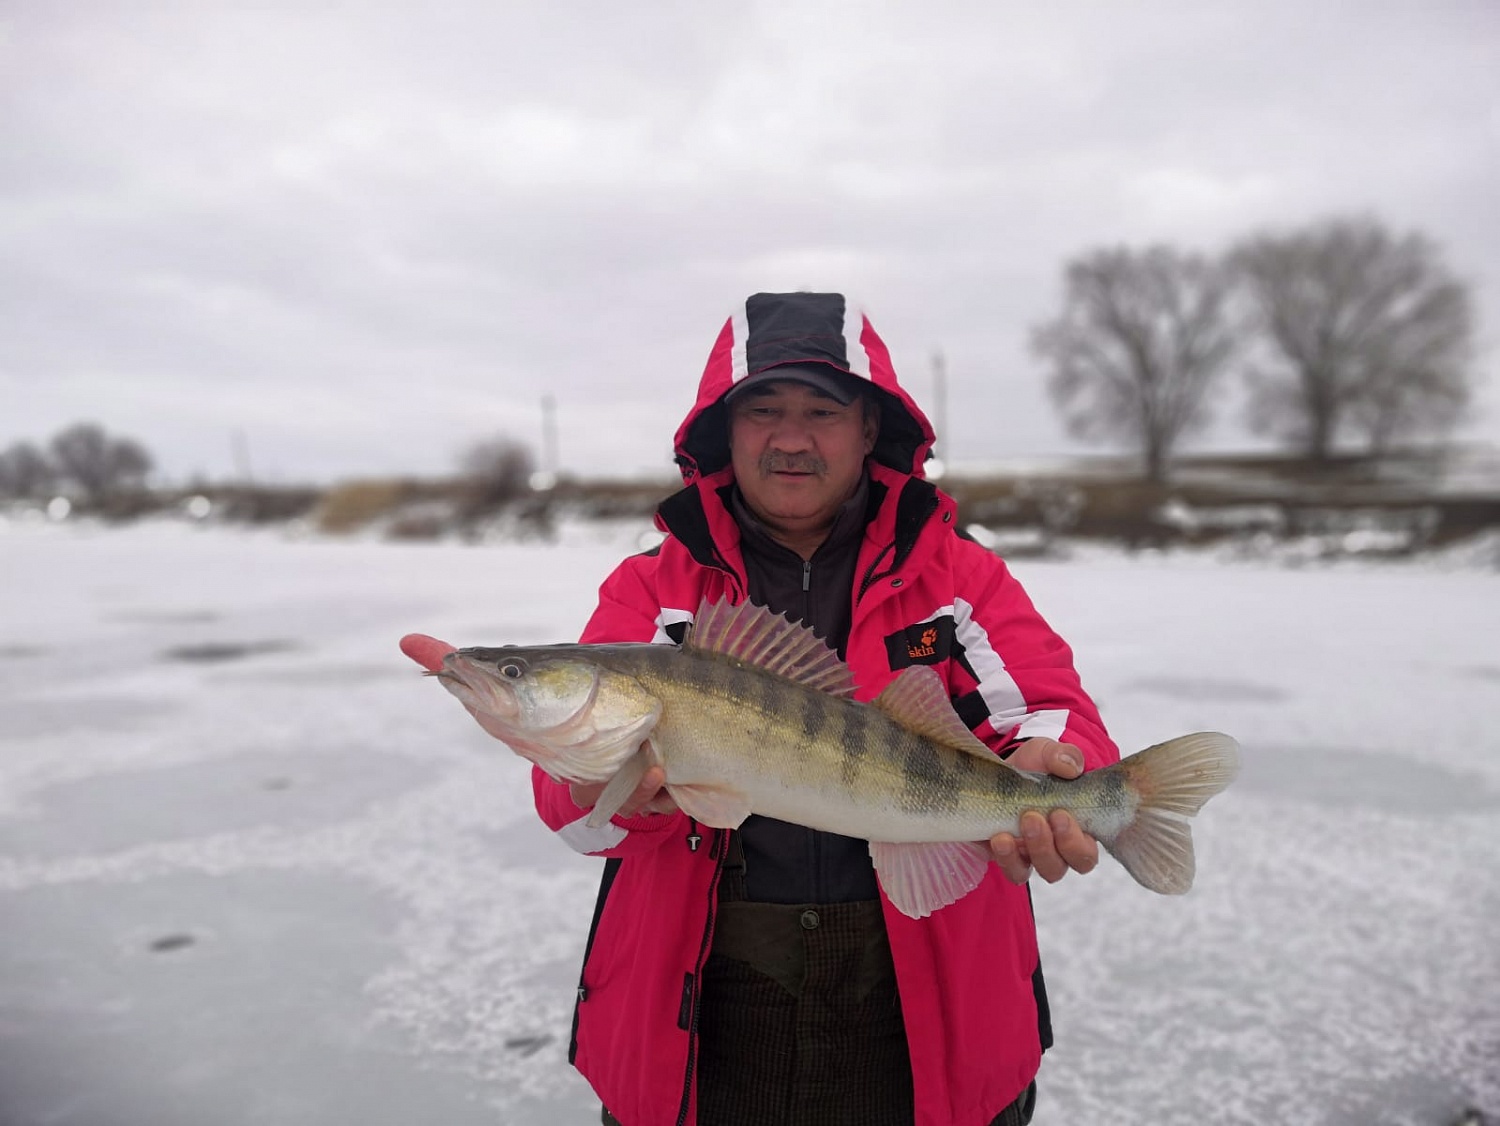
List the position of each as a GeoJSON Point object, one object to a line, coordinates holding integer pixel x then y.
{"type": "Point", "coordinates": [837, 385]}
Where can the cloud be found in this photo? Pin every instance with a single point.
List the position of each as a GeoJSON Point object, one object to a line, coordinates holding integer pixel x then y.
{"type": "Point", "coordinates": [363, 237]}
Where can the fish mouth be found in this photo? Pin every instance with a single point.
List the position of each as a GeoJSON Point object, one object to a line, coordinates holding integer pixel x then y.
{"type": "Point", "coordinates": [452, 681]}
{"type": "Point", "coordinates": [475, 688]}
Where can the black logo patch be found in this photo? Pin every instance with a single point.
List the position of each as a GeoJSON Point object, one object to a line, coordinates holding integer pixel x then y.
{"type": "Point", "coordinates": [926, 643]}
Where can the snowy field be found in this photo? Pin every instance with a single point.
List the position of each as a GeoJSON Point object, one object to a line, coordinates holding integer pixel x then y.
{"type": "Point", "coordinates": [255, 871]}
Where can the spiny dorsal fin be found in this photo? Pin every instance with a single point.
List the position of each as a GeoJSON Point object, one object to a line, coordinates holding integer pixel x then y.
{"type": "Point", "coordinates": [755, 636]}
{"type": "Point", "coordinates": [918, 701]}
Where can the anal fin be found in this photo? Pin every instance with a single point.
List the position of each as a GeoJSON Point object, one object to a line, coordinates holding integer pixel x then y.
{"type": "Point", "coordinates": [921, 878]}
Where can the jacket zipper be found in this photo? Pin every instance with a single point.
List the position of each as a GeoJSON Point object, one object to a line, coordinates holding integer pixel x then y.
{"type": "Point", "coordinates": [723, 564]}
{"type": "Point", "coordinates": [870, 576]}
{"type": "Point", "coordinates": [717, 851]}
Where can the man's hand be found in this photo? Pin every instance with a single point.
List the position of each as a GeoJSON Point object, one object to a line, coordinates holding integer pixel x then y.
{"type": "Point", "coordinates": [1049, 843]}
{"type": "Point", "coordinates": [649, 796]}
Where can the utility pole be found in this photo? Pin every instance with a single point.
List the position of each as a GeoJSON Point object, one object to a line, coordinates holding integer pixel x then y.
{"type": "Point", "coordinates": [551, 459]}
{"type": "Point", "coordinates": [239, 453]}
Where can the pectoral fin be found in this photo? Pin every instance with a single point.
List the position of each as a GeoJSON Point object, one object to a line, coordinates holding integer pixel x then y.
{"type": "Point", "coordinates": [619, 789]}
{"type": "Point", "coordinates": [920, 878]}
{"type": "Point", "coordinates": [718, 807]}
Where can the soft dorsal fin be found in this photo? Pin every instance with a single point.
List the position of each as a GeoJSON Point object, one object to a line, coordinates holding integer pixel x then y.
{"type": "Point", "coordinates": [755, 636]}
{"type": "Point", "coordinates": [918, 701]}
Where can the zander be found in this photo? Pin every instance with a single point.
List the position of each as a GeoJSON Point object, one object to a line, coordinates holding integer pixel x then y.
{"type": "Point", "coordinates": [753, 713]}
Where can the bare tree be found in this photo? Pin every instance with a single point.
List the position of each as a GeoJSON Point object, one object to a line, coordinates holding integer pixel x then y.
{"type": "Point", "coordinates": [25, 471]}
{"type": "Point", "coordinates": [1142, 337]}
{"type": "Point", "coordinates": [1369, 335]}
{"type": "Point", "coordinates": [498, 470]}
{"type": "Point", "coordinates": [98, 463]}
{"type": "Point", "coordinates": [1417, 374]}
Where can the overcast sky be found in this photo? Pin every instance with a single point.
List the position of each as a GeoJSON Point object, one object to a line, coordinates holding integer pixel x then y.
{"type": "Point", "coordinates": [364, 235]}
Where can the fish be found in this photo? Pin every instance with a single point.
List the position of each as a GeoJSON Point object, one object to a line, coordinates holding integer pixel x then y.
{"type": "Point", "coordinates": [754, 713]}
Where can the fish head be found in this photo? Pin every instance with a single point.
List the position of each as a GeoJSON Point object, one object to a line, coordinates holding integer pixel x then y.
{"type": "Point", "coordinates": [575, 718]}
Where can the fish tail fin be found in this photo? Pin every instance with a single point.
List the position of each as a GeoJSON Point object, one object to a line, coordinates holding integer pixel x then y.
{"type": "Point", "coordinates": [1172, 781]}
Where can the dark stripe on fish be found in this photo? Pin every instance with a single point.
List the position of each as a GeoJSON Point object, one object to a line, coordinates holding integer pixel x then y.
{"type": "Point", "coordinates": [771, 693]}
{"type": "Point", "coordinates": [931, 785]}
{"type": "Point", "coordinates": [704, 675]}
{"type": "Point", "coordinates": [814, 715]}
{"type": "Point", "coordinates": [1110, 788]}
{"type": "Point", "coordinates": [1010, 781]}
{"type": "Point", "coordinates": [856, 742]}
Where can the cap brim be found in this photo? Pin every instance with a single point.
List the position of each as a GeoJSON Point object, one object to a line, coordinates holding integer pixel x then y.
{"type": "Point", "coordinates": [837, 385]}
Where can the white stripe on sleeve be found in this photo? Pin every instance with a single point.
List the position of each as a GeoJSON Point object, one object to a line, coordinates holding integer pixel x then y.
{"type": "Point", "coordinates": [1002, 696]}
{"type": "Point", "coordinates": [581, 838]}
{"type": "Point", "coordinates": [669, 617]}
{"type": "Point", "coordinates": [1044, 725]}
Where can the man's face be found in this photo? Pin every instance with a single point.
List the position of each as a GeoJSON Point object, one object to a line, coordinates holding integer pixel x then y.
{"type": "Point", "coordinates": [798, 454]}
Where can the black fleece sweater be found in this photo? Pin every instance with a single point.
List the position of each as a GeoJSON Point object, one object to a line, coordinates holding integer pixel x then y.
{"type": "Point", "coordinates": [786, 863]}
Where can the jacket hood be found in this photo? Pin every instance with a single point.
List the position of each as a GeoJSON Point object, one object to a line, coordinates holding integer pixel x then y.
{"type": "Point", "coordinates": [772, 329]}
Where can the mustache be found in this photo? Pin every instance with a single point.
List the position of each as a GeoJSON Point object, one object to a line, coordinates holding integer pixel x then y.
{"type": "Point", "coordinates": [774, 461]}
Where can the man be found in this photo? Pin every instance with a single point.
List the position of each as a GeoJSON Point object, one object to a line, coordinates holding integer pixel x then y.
{"type": "Point", "coordinates": [758, 976]}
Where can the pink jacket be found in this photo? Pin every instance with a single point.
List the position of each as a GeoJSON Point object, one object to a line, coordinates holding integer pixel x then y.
{"type": "Point", "coordinates": [969, 974]}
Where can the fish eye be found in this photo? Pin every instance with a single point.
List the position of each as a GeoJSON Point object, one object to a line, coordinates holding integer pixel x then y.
{"type": "Point", "coordinates": [513, 670]}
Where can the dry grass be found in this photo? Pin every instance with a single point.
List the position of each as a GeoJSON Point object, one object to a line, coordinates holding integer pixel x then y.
{"type": "Point", "coordinates": [348, 507]}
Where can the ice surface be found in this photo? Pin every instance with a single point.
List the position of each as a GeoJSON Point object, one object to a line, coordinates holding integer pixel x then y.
{"type": "Point", "coordinates": [255, 869]}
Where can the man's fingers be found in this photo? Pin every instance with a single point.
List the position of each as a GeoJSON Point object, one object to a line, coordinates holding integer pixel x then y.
{"type": "Point", "coordinates": [1050, 846]}
{"type": "Point", "coordinates": [585, 795]}
{"type": "Point", "coordinates": [1064, 760]}
{"type": "Point", "coordinates": [1011, 857]}
{"type": "Point", "coordinates": [1048, 756]}
{"type": "Point", "coordinates": [1036, 835]}
{"type": "Point", "coordinates": [1078, 850]}
{"type": "Point", "coordinates": [1061, 760]}
{"type": "Point", "coordinates": [645, 796]}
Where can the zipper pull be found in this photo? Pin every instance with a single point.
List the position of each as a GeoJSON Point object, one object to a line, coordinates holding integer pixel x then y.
{"type": "Point", "coordinates": [807, 574]}
{"type": "Point", "coordinates": [694, 837]}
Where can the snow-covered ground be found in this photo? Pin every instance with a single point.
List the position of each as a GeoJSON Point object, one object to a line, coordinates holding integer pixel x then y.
{"type": "Point", "coordinates": [254, 870]}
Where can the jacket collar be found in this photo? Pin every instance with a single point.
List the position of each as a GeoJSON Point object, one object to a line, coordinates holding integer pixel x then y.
{"type": "Point", "coordinates": [899, 507]}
